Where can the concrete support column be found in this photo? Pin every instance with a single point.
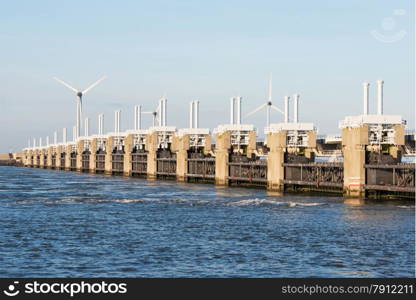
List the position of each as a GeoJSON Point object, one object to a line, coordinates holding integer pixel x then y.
{"type": "Point", "coordinates": [80, 149]}
{"type": "Point", "coordinates": [180, 145]}
{"type": "Point", "coordinates": [275, 159]}
{"type": "Point", "coordinates": [93, 150]}
{"type": "Point", "coordinates": [251, 147]}
{"type": "Point", "coordinates": [208, 147]}
{"type": "Point", "coordinates": [151, 145]}
{"type": "Point", "coordinates": [109, 156]}
{"type": "Point", "coordinates": [128, 148]}
{"type": "Point", "coordinates": [49, 160]}
{"type": "Point", "coordinates": [222, 149]}
{"type": "Point", "coordinates": [395, 150]}
{"type": "Point", "coordinates": [42, 157]}
{"type": "Point", "coordinates": [58, 157]}
{"type": "Point", "coordinates": [309, 152]}
{"type": "Point", "coordinates": [35, 154]}
{"type": "Point", "coordinates": [68, 150]}
{"type": "Point", "coordinates": [27, 158]}
{"type": "Point", "coordinates": [354, 141]}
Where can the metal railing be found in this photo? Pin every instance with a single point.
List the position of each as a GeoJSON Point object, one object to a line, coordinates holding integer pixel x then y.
{"type": "Point", "coordinates": [390, 177]}
{"type": "Point", "coordinates": [314, 174]}
{"type": "Point", "coordinates": [251, 171]}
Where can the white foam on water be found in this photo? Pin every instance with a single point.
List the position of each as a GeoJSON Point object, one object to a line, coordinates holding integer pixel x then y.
{"type": "Point", "coordinates": [130, 200]}
{"type": "Point", "coordinates": [406, 206]}
{"type": "Point", "coordinates": [255, 201]}
{"type": "Point", "coordinates": [293, 204]}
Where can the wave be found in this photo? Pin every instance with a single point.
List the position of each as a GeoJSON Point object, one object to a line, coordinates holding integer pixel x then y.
{"type": "Point", "coordinates": [256, 202]}
{"type": "Point", "coordinates": [293, 204]}
{"type": "Point", "coordinates": [130, 200]}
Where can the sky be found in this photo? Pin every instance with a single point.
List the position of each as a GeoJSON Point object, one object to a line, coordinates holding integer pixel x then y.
{"type": "Point", "coordinates": [205, 50]}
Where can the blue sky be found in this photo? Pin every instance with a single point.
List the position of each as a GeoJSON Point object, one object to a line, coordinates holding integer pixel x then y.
{"type": "Point", "coordinates": [206, 50]}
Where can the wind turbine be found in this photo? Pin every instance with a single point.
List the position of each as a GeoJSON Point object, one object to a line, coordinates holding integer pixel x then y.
{"type": "Point", "coordinates": [269, 105]}
{"type": "Point", "coordinates": [79, 100]}
{"type": "Point", "coordinates": [159, 114]}
{"type": "Point", "coordinates": [155, 114]}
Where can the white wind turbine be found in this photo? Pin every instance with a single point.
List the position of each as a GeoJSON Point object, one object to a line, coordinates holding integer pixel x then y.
{"type": "Point", "coordinates": [79, 100]}
{"type": "Point", "coordinates": [159, 114]}
{"type": "Point", "coordinates": [155, 115]}
{"type": "Point", "coordinates": [269, 105]}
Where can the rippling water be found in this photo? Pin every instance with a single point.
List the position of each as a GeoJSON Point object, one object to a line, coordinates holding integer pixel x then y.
{"type": "Point", "coordinates": [55, 223]}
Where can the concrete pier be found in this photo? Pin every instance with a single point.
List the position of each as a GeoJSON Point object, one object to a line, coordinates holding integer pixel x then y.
{"type": "Point", "coordinates": [369, 140]}
{"type": "Point", "coordinates": [283, 139]}
{"type": "Point", "coordinates": [180, 146]}
{"type": "Point", "coordinates": [109, 156]}
{"type": "Point", "coordinates": [128, 149]}
{"type": "Point", "coordinates": [275, 159]}
{"type": "Point", "coordinates": [354, 141]}
{"type": "Point", "coordinates": [42, 158]}
{"type": "Point", "coordinates": [187, 143]}
{"type": "Point", "coordinates": [93, 150]}
{"type": "Point", "coordinates": [151, 146]}
{"type": "Point", "coordinates": [68, 150]}
{"type": "Point", "coordinates": [232, 139]}
{"type": "Point", "coordinates": [80, 150]}
{"type": "Point", "coordinates": [222, 152]}
{"type": "Point", "coordinates": [50, 152]}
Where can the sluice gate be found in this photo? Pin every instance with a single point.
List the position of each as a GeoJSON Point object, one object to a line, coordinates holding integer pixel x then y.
{"type": "Point", "coordinates": [200, 167]}
{"type": "Point", "coordinates": [315, 174]}
{"type": "Point", "coordinates": [73, 161]}
{"type": "Point", "coordinates": [165, 163]}
{"type": "Point", "coordinates": [248, 170]}
{"type": "Point", "coordinates": [100, 161]}
{"type": "Point", "coordinates": [117, 162]}
{"type": "Point", "coordinates": [62, 160]}
{"type": "Point", "coordinates": [85, 161]}
{"type": "Point", "coordinates": [139, 163]}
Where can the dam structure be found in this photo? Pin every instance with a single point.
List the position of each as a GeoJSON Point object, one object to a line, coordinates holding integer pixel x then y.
{"type": "Point", "coordinates": [366, 160]}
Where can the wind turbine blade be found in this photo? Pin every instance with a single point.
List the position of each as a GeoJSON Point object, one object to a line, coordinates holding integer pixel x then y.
{"type": "Point", "coordinates": [66, 84]}
{"type": "Point", "coordinates": [256, 110]}
{"type": "Point", "coordinates": [93, 85]}
{"type": "Point", "coordinates": [278, 109]}
{"type": "Point", "coordinates": [270, 87]}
